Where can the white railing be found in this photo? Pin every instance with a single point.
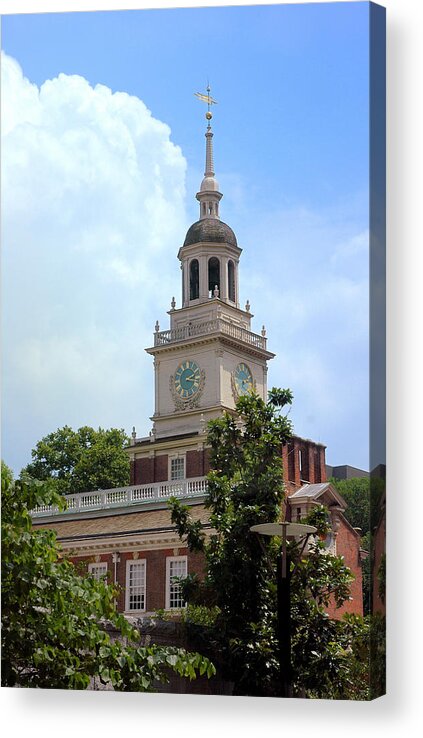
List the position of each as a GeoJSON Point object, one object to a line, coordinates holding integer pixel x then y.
{"type": "Point", "coordinates": [126, 496]}
{"type": "Point", "coordinates": [162, 338]}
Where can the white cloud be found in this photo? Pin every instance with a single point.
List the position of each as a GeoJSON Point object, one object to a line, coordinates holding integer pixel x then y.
{"type": "Point", "coordinates": [93, 203]}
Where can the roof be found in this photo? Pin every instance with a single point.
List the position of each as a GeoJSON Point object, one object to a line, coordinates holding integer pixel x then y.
{"type": "Point", "coordinates": [313, 491]}
{"type": "Point", "coordinates": [147, 521]}
{"type": "Point", "coordinates": [210, 230]}
{"type": "Point", "coordinates": [165, 439]}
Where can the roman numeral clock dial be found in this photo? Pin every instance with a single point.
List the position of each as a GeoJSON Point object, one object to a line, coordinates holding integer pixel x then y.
{"type": "Point", "coordinates": [187, 384]}
{"type": "Point", "coordinates": [187, 379]}
{"type": "Point", "coordinates": [242, 381]}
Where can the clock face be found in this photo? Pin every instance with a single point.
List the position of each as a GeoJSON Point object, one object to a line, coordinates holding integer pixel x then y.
{"type": "Point", "coordinates": [187, 379]}
{"type": "Point", "coordinates": [243, 379]}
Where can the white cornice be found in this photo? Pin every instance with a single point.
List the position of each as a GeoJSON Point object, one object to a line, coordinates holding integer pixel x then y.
{"type": "Point", "coordinates": [220, 338]}
{"type": "Point", "coordinates": [125, 544]}
{"type": "Point", "coordinates": [209, 247]}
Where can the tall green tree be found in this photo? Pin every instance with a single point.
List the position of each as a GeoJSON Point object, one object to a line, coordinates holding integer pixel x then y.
{"type": "Point", "coordinates": [82, 460]}
{"type": "Point", "coordinates": [363, 496]}
{"type": "Point", "coordinates": [356, 493]}
{"type": "Point", "coordinates": [54, 622]}
{"type": "Point", "coordinates": [245, 488]}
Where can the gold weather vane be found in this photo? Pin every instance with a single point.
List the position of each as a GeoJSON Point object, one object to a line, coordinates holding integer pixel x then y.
{"type": "Point", "coordinates": [207, 99]}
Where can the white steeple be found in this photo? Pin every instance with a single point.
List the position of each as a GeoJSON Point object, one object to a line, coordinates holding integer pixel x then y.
{"type": "Point", "coordinates": [209, 195]}
{"type": "Point", "coordinates": [209, 351]}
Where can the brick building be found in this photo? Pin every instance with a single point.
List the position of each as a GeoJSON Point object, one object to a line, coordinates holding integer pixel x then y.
{"type": "Point", "coordinates": [202, 363]}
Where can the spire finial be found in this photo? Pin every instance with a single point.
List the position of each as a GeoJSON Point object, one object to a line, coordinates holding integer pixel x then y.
{"type": "Point", "coordinates": [207, 99]}
{"type": "Point", "coordinates": [209, 195]}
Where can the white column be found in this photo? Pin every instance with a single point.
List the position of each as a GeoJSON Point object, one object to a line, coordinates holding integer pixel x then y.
{"type": "Point", "coordinates": [156, 385]}
{"type": "Point", "coordinates": [223, 278]}
{"type": "Point", "coordinates": [204, 278]}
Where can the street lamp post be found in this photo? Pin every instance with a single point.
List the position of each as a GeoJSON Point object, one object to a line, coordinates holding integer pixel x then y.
{"type": "Point", "coordinates": [284, 530]}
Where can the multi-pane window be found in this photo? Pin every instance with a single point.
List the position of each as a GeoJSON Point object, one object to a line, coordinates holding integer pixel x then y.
{"type": "Point", "coordinates": [135, 585]}
{"type": "Point", "coordinates": [177, 468]}
{"type": "Point", "coordinates": [175, 567]}
{"type": "Point", "coordinates": [98, 571]}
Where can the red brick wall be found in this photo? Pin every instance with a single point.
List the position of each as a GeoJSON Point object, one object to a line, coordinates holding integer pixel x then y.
{"type": "Point", "coordinates": [310, 451]}
{"type": "Point", "coordinates": [81, 564]}
{"type": "Point", "coordinates": [155, 573]}
{"type": "Point", "coordinates": [161, 468]}
{"type": "Point", "coordinates": [313, 462]}
{"type": "Point", "coordinates": [197, 463]}
{"type": "Point", "coordinates": [322, 464]}
{"type": "Point", "coordinates": [194, 464]}
{"type": "Point", "coordinates": [143, 471]}
{"type": "Point", "coordinates": [155, 578]}
{"type": "Point", "coordinates": [149, 470]}
{"type": "Point", "coordinates": [155, 469]}
{"type": "Point", "coordinates": [348, 546]}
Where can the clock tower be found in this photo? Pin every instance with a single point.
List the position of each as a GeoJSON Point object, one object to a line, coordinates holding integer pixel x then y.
{"type": "Point", "coordinates": [204, 360]}
{"type": "Point", "coordinates": [209, 355]}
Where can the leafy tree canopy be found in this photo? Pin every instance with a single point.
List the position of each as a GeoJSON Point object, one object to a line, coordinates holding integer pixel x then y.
{"type": "Point", "coordinates": [245, 487]}
{"type": "Point", "coordinates": [54, 621]}
{"type": "Point", "coordinates": [356, 493]}
{"type": "Point", "coordinates": [82, 460]}
{"type": "Point", "coordinates": [363, 496]}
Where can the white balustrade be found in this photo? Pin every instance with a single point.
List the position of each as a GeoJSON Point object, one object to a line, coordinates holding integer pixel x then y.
{"type": "Point", "coordinates": [207, 327]}
{"type": "Point", "coordinates": [126, 496]}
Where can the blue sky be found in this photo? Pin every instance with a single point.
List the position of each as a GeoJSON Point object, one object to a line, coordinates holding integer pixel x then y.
{"type": "Point", "coordinates": [91, 230]}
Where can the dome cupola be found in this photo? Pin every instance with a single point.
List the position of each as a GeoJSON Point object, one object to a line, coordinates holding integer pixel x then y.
{"type": "Point", "coordinates": [210, 252]}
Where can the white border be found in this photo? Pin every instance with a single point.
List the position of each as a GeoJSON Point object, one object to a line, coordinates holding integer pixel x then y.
{"type": "Point", "coordinates": [39, 713]}
{"type": "Point", "coordinates": [170, 559]}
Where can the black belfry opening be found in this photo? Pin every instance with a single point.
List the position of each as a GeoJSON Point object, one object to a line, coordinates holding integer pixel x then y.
{"type": "Point", "coordinates": [231, 280]}
{"type": "Point", "coordinates": [214, 275]}
{"type": "Point", "coordinates": [194, 280]}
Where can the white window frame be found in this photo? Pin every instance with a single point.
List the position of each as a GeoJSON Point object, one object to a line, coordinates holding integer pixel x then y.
{"type": "Point", "coordinates": [169, 561]}
{"type": "Point", "coordinates": [98, 570]}
{"type": "Point", "coordinates": [180, 458]}
{"type": "Point", "coordinates": [129, 563]}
